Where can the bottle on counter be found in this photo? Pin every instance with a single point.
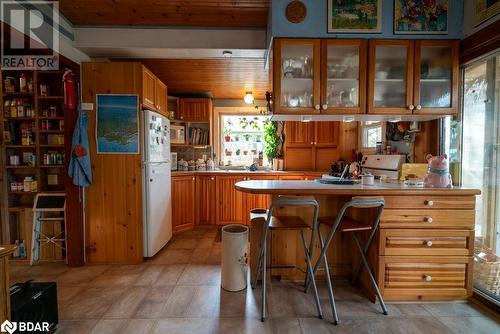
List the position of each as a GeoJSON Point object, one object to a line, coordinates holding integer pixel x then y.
{"type": "Point", "coordinates": [22, 250]}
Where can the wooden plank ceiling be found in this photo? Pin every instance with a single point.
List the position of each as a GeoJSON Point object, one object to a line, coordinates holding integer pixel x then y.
{"type": "Point", "coordinates": [199, 13]}
{"type": "Point", "coordinates": [226, 78]}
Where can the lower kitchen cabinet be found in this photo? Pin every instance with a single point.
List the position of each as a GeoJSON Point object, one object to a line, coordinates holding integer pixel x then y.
{"type": "Point", "coordinates": [205, 200]}
{"type": "Point", "coordinates": [229, 201]}
{"type": "Point", "coordinates": [183, 202]}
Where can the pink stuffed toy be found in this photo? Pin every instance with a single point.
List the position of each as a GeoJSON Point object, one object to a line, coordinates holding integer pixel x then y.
{"type": "Point", "coordinates": [438, 175]}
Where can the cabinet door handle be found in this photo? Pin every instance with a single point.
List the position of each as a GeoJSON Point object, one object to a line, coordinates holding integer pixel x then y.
{"type": "Point", "coordinates": [427, 278]}
{"type": "Point", "coordinates": [411, 107]}
{"type": "Point", "coordinates": [212, 178]}
{"type": "Point", "coordinates": [428, 243]}
{"type": "Point", "coordinates": [325, 106]}
{"type": "Point", "coordinates": [317, 107]}
{"type": "Point", "coordinates": [428, 202]}
{"type": "Point", "coordinates": [419, 107]}
{"type": "Point", "coordinates": [428, 219]}
{"type": "Point", "coordinates": [194, 178]}
{"type": "Point", "coordinates": [312, 143]}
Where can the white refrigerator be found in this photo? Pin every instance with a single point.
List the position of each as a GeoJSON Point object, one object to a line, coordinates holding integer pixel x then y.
{"type": "Point", "coordinates": [157, 222]}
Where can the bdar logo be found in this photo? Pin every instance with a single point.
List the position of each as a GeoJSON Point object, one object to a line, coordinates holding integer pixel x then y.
{"type": "Point", "coordinates": [8, 327]}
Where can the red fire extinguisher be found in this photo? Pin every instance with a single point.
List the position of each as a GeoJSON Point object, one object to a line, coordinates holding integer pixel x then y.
{"type": "Point", "coordinates": [69, 90]}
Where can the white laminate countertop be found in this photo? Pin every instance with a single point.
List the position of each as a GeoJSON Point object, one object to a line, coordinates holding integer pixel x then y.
{"type": "Point", "coordinates": [284, 187]}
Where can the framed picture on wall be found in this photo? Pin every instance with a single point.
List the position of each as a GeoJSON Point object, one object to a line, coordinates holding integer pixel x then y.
{"type": "Point", "coordinates": [420, 17]}
{"type": "Point", "coordinates": [354, 16]}
{"type": "Point", "coordinates": [117, 124]}
{"type": "Point", "coordinates": [485, 10]}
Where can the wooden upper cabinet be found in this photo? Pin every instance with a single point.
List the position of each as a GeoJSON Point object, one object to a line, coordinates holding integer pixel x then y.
{"type": "Point", "coordinates": [299, 134]}
{"type": "Point", "coordinates": [195, 109]}
{"type": "Point", "coordinates": [148, 88]}
{"type": "Point", "coordinates": [183, 202]}
{"type": "Point", "coordinates": [297, 76]}
{"type": "Point", "coordinates": [343, 76]}
{"type": "Point", "coordinates": [161, 97]}
{"type": "Point", "coordinates": [436, 77]}
{"type": "Point", "coordinates": [326, 134]}
{"type": "Point", "coordinates": [390, 77]}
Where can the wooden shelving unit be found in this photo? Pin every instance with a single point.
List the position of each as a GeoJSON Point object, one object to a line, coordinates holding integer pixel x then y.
{"type": "Point", "coordinates": [48, 138]}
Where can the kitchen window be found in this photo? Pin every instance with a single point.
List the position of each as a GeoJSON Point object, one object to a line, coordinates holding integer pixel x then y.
{"type": "Point", "coordinates": [242, 139]}
{"type": "Point", "coordinates": [472, 141]}
{"type": "Point", "coordinates": [371, 133]}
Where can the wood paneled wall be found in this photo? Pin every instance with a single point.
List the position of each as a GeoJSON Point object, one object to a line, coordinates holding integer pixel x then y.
{"type": "Point", "coordinates": [426, 141]}
{"type": "Point", "coordinates": [205, 13]}
{"type": "Point", "coordinates": [114, 201]}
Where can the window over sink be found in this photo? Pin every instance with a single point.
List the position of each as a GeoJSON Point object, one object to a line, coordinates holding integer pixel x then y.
{"type": "Point", "coordinates": [242, 139]}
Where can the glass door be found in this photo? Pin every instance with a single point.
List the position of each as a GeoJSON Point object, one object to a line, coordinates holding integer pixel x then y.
{"type": "Point", "coordinates": [473, 140]}
{"type": "Point", "coordinates": [436, 77]}
{"type": "Point", "coordinates": [297, 76]}
{"type": "Point", "coordinates": [344, 76]}
{"type": "Point", "coordinates": [390, 77]}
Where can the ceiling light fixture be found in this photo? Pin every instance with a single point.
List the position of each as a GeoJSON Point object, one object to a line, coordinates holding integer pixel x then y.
{"type": "Point", "coordinates": [248, 98]}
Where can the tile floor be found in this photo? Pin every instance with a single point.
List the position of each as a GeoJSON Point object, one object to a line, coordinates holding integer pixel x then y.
{"type": "Point", "coordinates": [179, 292]}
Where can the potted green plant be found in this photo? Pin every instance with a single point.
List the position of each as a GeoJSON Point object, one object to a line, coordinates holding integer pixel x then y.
{"type": "Point", "coordinates": [246, 136]}
{"type": "Point", "coordinates": [227, 135]}
{"type": "Point", "coordinates": [238, 151]}
{"type": "Point", "coordinates": [243, 123]}
{"type": "Point", "coordinates": [272, 140]}
{"type": "Point", "coordinates": [245, 151]}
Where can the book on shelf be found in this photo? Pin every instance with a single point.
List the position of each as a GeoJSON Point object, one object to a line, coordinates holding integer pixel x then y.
{"type": "Point", "coordinates": [198, 136]}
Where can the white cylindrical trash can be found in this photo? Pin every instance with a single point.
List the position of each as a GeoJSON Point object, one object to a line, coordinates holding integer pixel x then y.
{"type": "Point", "coordinates": [234, 257]}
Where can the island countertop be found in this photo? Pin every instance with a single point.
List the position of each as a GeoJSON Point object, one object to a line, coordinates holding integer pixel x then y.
{"type": "Point", "coordinates": [285, 187]}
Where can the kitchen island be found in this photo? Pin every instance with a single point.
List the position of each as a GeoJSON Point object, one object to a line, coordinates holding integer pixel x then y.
{"type": "Point", "coordinates": [423, 250]}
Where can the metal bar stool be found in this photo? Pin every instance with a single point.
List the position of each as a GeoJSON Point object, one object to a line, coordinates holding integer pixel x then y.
{"type": "Point", "coordinates": [348, 225]}
{"type": "Point", "coordinates": [290, 223]}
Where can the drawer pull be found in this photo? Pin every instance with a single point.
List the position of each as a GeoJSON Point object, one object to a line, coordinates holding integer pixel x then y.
{"type": "Point", "coordinates": [428, 243]}
{"type": "Point", "coordinates": [428, 202]}
{"type": "Point", "coordinates": [428, 219]}
{"type": "Point", "coordinates": [427, 278]}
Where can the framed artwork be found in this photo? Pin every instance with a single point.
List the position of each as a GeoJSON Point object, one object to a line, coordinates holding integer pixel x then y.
{"type": "Point", "coordinates": [117, 124]}
{"type": "Point", "coordinates": [421, 16]}
{"type": "Point", "coordinates": [354, 16]}
{"type": "Point", "coordinates": [485, 9]}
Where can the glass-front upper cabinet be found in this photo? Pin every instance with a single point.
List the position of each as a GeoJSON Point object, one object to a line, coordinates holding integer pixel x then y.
{"type": "Point", "coordinates": [436, 77]}
{"type": "Point", "coordinates": [344, 76]}
{"type": "Point", "coordinates": [297, 76]}
{"type": "Point", "coordinates": [390, 77]}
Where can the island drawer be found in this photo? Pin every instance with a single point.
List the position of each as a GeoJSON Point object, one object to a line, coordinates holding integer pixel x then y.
{"type": "Point", "coordinates": [427, 278]}
{"type": "Point", "coordinates": [429, 218]}
{"type": "Point", "coordinates": [412, 242]}
{"type": "Point", "coordinates": [430, 202]}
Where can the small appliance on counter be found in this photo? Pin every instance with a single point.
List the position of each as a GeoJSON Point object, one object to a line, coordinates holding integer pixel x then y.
{"type": "Point", "coordinates": [173, 159]}
{"type": "Point", "coordinates": [177, 134]}
{"type": "Point", "coordinates": [378, 165]}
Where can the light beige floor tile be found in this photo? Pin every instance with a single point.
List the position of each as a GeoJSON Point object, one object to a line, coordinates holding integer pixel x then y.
{"type": "Point", "coordinates": [412, 310]}
{"type": "Point", "coordinates": [453, 309]}
{"type": "Point", "coordinates": [92, 303]}
{"type": "Point", "coordinates": [127, 303]}
{"type": "Point", "coordinates": [114, 280]}
{"type": "Point", "coordinates": [215, 256]}
{"type": "Point", "coordinates": [469, 325]}
{"type": "Point", "coordinates": [178, 302]}
{"type": "Point", "coordinates": [107, 326]}
{"type": "Point", "coordinates": [195, 274]}
{"type": "Point", "coordinates": [154, 302]}
{"type": "Point", "coordinates": [130, 269]}
{"type": "Point", "coordinates": [278, 301]}
{"type": "Point", "coordinates": [243, 326]}
{"type": "Point", "coordinates": [186, 326]}
{"type": "Point", "coordinates": [285, 326]}
{"type": "Point", "coordinates": [169, 275]}
{"type": "Point", "coordinates": [238, 304]}
{"type": "Point", "coordinates": [205, 303]}
{"type": "Point", "coordinates": [316, 326]}
{"type": "Point", "coordinates": [200, 256]}
{"type": "Point", "coordinates": [205, 243]}
{"type": "Point", "coordinates": [149, 275]}
{"type": "Point", "coordinates": [82, 275]}
{"type": "Point", "coordinates": [75, 326]}
{"type": "Point", "coordinates": [416, 325]}
{"type": "Point", "coordinates": [183, 243]}
{"type": "Point", "coordinates": [172, 256]}
{"type": "Point", "coordinates": [139, 326]}
{"type": "Point", "coordinates": [65, 293]}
